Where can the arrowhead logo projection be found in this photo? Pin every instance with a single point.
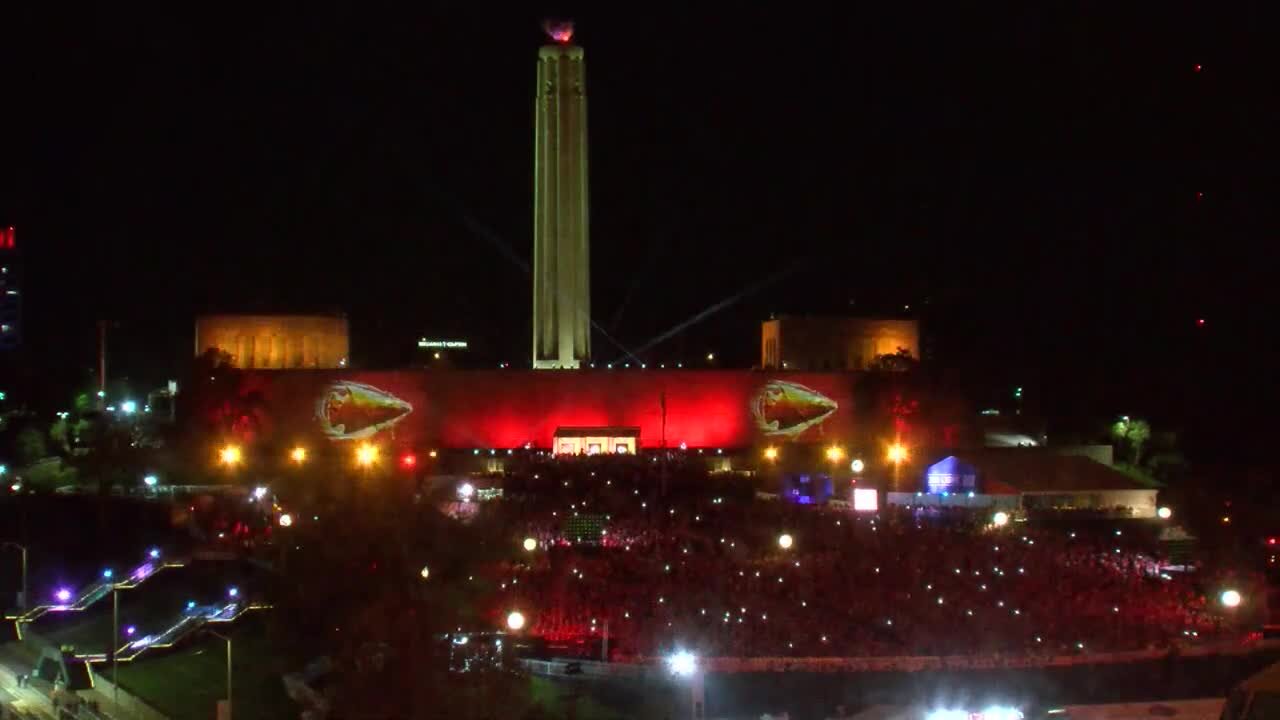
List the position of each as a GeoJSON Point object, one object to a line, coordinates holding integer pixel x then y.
{"type": "Point", "coordinates": [352, 411]}
{"type": "Point", "coordinates": [788, 409]}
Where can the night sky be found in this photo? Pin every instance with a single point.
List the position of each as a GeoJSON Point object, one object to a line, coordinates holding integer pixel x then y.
{"type": "Point", "coordinates": [1027, 181]}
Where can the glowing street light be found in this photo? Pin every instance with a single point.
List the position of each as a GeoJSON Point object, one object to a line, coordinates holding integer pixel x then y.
{"type": "Point", "coordinates": [229, 455]}
{"type": "Point", "coordinates": [857, 465]}
{"type": "Point", "coordinates": [835, 453]}
{"type": "Point", "coordinates": [286, 520]}
{"type": "Point", "coordinates": [530, 544]}
{"type": "Point", "coordinates": [1164, 513]}
{"type": "Point", "coordinates": [1000, 519]}
{"type": "Point", "coordinates": [259, 492]}
{"type": "Point", "coordinates": [1230, 598]}
{"type": "Point", "coordinates": [785, 541]}
{"type": "Point", "coordinates": [128, 407]}
{"type": "Point", "coordinates": [366, 455]}
{"type": "Point", "coordinates": [233, 591]}
{"type": "Point", "coordinates": [425, 572]}
{"type": "Point", "coordinates": [897, 453]}
{"type": "Point", "coordinates": [150, 481]}
{"type": "Point", "coordinates": [466, 490]}
{"type": "Point", "coordinates": [682, 663]}
{"type": "Point", "coordinates": [515, 620]}
{"type": "Point", "coordinates": [771, 453]}
{"type": "Point", "coordinates": [154, 553]}
{"type": "Point", "coordinates": [62, 595]}
{"type": "Point", "coordinates": [298, 455]}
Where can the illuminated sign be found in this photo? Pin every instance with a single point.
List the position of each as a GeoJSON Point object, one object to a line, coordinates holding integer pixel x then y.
{"type": "Point", "coordinates": [447, 344]}
{"type": "Point", "coordinates": [866, 499]}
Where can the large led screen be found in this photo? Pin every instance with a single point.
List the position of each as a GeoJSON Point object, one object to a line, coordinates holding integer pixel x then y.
{"type": "Point", "coordinates": [510, 409]}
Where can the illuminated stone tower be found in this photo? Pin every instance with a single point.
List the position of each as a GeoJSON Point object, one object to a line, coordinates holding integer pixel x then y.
{"type": "Point", "coordinates": [561, 248]}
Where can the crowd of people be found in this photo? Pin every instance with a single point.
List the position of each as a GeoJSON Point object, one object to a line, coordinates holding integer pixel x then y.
{"type": "Point", "coordinates": [658, 555]}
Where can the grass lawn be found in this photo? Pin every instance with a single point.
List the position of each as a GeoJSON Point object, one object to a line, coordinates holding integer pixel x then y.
{"type": "Point", "coordinates": [187, 681]}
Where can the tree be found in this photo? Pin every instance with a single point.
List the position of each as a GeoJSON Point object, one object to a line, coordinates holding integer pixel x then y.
{"type": "Point", "coordinates": [30, 446]}
{"type": "Point", "coordinates": [900, 361]}
{"type": "Point", "coordinates": [1133, 434]}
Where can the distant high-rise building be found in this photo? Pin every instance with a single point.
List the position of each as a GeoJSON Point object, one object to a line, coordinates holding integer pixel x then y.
{"type": "Point", "coordinates": [561, 249]}
{"type": "Point", "coordinates": [10, 291]}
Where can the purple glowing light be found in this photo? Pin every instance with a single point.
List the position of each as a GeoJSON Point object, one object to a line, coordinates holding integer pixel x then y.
{"type": "Point", "coordinates": [129, 631]}
{"type": "Point", "coordinates": [62, 595]}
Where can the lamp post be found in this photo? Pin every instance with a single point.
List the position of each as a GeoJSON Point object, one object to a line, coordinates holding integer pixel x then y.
{"type": "Point", "coordinates": [115, 644]}
{"type": "Point", "coordinates": [22, 599]}
{"type": "Point", "coordinates": [227, 640]}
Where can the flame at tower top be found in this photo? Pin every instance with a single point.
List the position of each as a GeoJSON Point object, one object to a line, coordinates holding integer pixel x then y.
{"type": "Point", "coordinates": [560, 30]}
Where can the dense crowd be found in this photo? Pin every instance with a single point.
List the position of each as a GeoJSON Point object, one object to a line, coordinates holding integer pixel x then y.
{"type": "Point", "coordinates": [684, 558]}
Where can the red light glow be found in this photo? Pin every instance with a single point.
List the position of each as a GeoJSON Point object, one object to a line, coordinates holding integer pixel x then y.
{"type": "Point", "coordinates": [1200, 322]}
{"type": "Point", "coordinates": [560, 30]}
{"type": "Point", "coordinates": [1199, 67]}
{"type": "Point", "coordinates": [408, 460]}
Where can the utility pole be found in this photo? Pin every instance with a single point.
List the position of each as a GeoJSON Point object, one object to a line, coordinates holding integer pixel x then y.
{"type": "Point", "coordinates": [102, 364]}
{"type": "Point", "coordinates": [22, 599]}
{"type": "Point", "coordinates": [115, 644]}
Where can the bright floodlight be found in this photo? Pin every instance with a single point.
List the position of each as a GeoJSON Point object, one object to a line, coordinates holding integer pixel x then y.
{"type": "Point", "coordinates": [129, 631]}
{"type": "Point", "coordinates": [1000, 519]}
{"type": "Point", "coordinates": [233, 591]}
{"type": "Point", "coordinates": [897, 453]}
{"type": "Point", "coordinates": [286, 520]}
{"type": "Point", "coordinates": [298, 455]}
{"type": "Point", "coordinates": [62, 595]}
{"type": "Point", "coordinates": [106, 574]}
{"type": "Point", "coordinates": [857, 465]}
{"type": "Point", "coordinates": [1164, 513]}
{"type": "Point", "coordinates": [466, 490]}
{"type": "Point", "coordinates": [153, 553]}
{"type": "Point", "coordinates": [1230, 598]}
{"type": "Point", "coordinates": [259, 492]}
{"type": "Point", "coordinates": [150, 480]}
{"type": "Point", "coordinates": [835, 454]}
{"type": "Point", "coordinates": [515, 620]}
{"type": "Point", "coordinates": [530, 544]}
{"type": "Point", "coordinates": [682, 663]}
{"type": "Point", "coordinates": [425, 573]}
{"type": "Point", "coordinates": [771, 453]}
{"type": "Point", "coordinates": [366, 454]}
{"type": "Point", "coordinates": [229, 455]}
{"type": "Point", "coordinates": [128, 407]}
{"type": "Point", "coordinates": [785, 541]}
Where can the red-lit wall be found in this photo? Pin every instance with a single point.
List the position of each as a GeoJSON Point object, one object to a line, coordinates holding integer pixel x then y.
{"type": "Point", "coordinates": [507, 409]}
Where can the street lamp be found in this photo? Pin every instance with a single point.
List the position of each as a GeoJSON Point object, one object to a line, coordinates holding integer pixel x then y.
{"type": "Point", "coordinates": [22, 601]}
{"type": "Point", "coordinates": [229, 455]}
{"type": "Point", "coordinates": [835, 453]}
{"type": "Point", "coordinates": [366, 455]}
{"type": "Point", "coordinates": [1000, 519]}
{"type": "Point", "coordinates": [857, 465]}
{"type": "Point", "coordinates": [298, 455]}
{"type": "Point", "coordinates": [515, 620]}
{"type": "Point", "coordinates": [897, 453]}
{"type": "Point", "coordinates": [227, 640]}
{"type": "Point", "coordinates": [530, 544]}
{"type": "Point", "coordinates": [150, 481]}
{"type": "Point", "coordinates": [425, 573]}
{"type": "Point", "coordinates": [1164, 513]}
{"type": "Point", "coordinates": [785, 541]}
{"type": "Point", "coordinates": [1230, 598]}
{"type": "Point", "coordinates": [286, 520]}
{"type": "Point", "coordinates": [682, 663]}
{"type": "Point", "coordinates": [771, 453]}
